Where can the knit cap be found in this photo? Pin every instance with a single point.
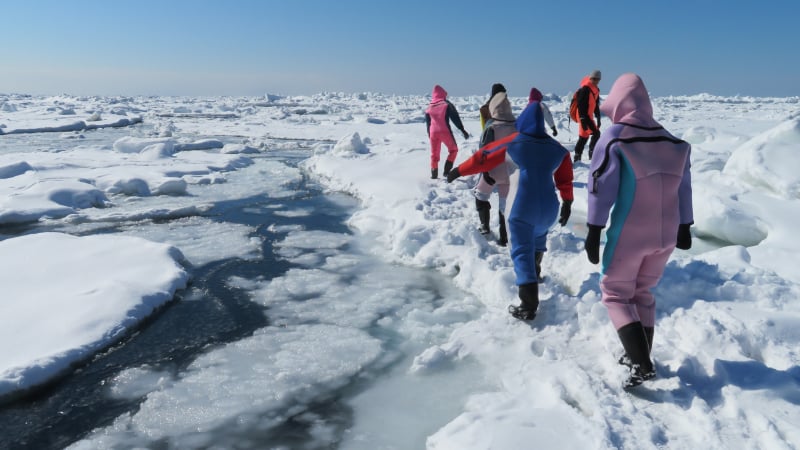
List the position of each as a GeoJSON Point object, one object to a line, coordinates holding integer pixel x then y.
{"type": "Point", "coordinates": [497, 87]}
{"type": "Point", "coordinates": [535, 95]}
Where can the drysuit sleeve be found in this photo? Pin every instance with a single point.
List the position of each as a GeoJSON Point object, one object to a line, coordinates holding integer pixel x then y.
{"type": "Point", "coordinates": [452, 115]}
{"type": "Point", "coordinates": [597, 109]}
{"type": "Point", "coordinates": [603, 183]}
{"type": "Point", "coordinates": [563, 177]}
{"type": "Point", "coordinates": [685, 193]}
{"type": "Point", "coordinates": [548, 116]}
{"type": "Point", "coordinates": [583, 102]}
{"type": "Point", "coordinates": [487, 157]}
{"type": "Point", "coordinates": [487, 137]}
{"type": "Point", "coordinates": [428, 124]}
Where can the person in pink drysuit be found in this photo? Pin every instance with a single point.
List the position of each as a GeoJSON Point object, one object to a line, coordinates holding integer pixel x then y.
{"type": "Point", "coordinates": [641, 170]}
{"type": "Point", "coordinates": [438, 116]}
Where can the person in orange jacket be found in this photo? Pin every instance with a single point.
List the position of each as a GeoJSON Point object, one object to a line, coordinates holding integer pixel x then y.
{"type": "Point", "coordinates": [588, 103]}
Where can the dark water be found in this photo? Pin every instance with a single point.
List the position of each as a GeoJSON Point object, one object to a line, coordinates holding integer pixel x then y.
{"type": "Point", "coordinates": [68, 409]}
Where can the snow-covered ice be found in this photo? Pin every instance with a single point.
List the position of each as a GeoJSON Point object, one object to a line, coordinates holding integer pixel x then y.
{"type": "Point", "coordinates": [728, 317]}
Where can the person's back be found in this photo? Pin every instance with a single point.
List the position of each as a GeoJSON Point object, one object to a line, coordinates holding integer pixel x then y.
{"type": "Point", "coordinates": [640, 176]}
{"type": "Point", "coordinates": [658, 163]}
{"type": "Point", "coordinates": [437, 110]}
{"type": "Point", "coordinates": [538, 156]}
{"type": "Point", "coordinates": [500, 125]}
{"type": "Point", "coordinates": [437, 121]}
{"type": "Point", "coordinates": [484, 111]}
{"type": "Point", "coordinates": [543, 165]}
{"type": "Point", "coordinates": [588, 110]}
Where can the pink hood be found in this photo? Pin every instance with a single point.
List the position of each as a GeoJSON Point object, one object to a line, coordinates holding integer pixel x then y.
{"type": "Point", "coordinates": [628, 102]}
{"type": "Point", "coordinates": [439, 94]}
{"type": "Point", "coordinates": [534, 96]}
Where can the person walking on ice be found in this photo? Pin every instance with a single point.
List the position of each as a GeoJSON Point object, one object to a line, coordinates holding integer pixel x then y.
{"type": "Point", "coordinates": [485, 115]}
{"type": "Point", "coordinates": [536, 96]}
{"type": "Point", "coordinates": [584, 109]}
{"type": "Point", "coordinates": [642, 171]}
{"type": "Point", "coordinates": [542, 167]}
{"type": "Point", "coordinates": [438, 116]}
{"type": "Point", "coordinates": [500, 125]}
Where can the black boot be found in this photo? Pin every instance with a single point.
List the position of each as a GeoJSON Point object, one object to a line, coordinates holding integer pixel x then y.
{"type": "Point", "coordinates": [529, 296]}
{"type": "Point", "coordinates": [484, 208]}
{"type": "Point", "coordinates": [634, 340]}
{"type": "Point", "coordinates": [434, 174]}
{"type": "Point", "coordinates": [579, 149]}
{"type": "Point", "coordinates": [503, 241]}
{"type": "Point", "coordinates": [538, 257]}
{"type": "Point", "coordinates": [649, 332]}
{"type": "Point", "coordinates": [447, 166]}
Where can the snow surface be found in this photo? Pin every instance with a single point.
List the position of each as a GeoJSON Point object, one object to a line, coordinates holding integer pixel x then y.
{"type": "Point", "coordinates": [728, 317]}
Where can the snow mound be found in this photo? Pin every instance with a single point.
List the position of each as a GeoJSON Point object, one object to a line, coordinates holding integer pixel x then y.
{"type": "Point", "coordinates": [350, 145]}
{"type": "Point", "coordinates": [699, 135]}
{"type": "Point", "coordinates": [762, 161]}
{"type": "Point", "coordinates": [129, 144]}
{"type": "Point", "coordinates": [14, 169]}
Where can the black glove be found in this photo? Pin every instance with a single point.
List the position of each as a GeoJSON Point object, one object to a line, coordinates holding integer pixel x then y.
{"type": "Point", "coordinates": [453, 174]}
{"type": "Point", "coordinates": [489, 180]}
{"type": "Point", "coordinates": [555, 132]}
{"type": "Point", "coordinates": [684, 237]}
{"type": "Point", "coordinates": [592, 244]}
{"type": "Point", "coordinates": [466, 135]}
{"type": "Point", "coordinates": [566, 210]}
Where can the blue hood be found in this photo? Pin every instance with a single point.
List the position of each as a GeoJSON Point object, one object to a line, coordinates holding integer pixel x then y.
{"type": "Point", "coordinates": [531, 121]}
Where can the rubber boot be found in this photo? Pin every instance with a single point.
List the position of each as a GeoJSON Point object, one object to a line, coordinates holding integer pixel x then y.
{"type": "Point", "coordinates": [634, 340]}
{"type": "Point", "coordinates": [579, 149]}
{"type": "Point", "coordinates": [538, 259]}
{"type": "Point", "coordinates": [434, 174]}
{"type": "Point", "coordinates": [484, 208]}
{"type": "Point", "coordinates": [529, 296]}
{"type": "Point", "coordinates": [649, 332]}
{"type": "Point", "coordinates": [503, 241]}
{"type": "Point", "coordinates": [447, 166]}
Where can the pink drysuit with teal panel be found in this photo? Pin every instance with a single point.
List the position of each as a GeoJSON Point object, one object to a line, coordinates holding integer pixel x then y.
{"type": "Point", "coordinates": [642, 171]}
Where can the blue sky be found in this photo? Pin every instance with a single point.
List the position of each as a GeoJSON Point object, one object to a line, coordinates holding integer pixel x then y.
{"type": "Point", "coordinates": [253, 47]}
